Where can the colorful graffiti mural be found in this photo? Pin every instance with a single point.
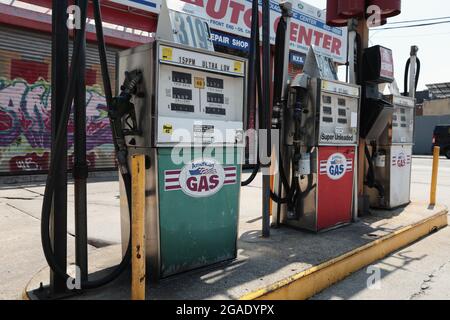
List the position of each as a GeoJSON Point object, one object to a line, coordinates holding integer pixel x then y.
{"type": "Point", "coordinates": [25, 127]}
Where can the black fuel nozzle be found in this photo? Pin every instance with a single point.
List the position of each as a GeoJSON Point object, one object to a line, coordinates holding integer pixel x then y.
{"type": "Point", "coordinates": [277, 115]}
{"type": "Point", "coordinates": [131, 82]}
{"type": "Point", "coordinates": [123, 113]}
{"type": "Point", "coordinates": [298, 111]}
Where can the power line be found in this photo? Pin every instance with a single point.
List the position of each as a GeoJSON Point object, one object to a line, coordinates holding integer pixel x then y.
{"type": "Point", "coordinates": [416, 35]}
{"type": "Point", "coordinates": [414, 25]}
{"type": "Point", "coordinates": [419, 20]}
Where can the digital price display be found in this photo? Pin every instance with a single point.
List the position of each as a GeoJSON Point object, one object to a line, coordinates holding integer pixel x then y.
{"type": "Point", "coordinates": [182, 94]}
{"type": "Point", "coordinates": [180, 77]}
{"type": "Point", "coordinates": [214, 83]}
{"type": "Point", "coordinates": [215, 98]}
{"type": "Point", "coordinates": [216, 111]}
{"type": "Point", "coordinates": [182, 107]}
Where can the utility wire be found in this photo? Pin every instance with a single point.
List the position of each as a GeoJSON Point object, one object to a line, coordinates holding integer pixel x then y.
{"type": "Point", "coordinates": [416, 35]}
{"type": "Point", "coordinates": [418, 20]}
{"type": "Point", "coordinates": [414, 26]}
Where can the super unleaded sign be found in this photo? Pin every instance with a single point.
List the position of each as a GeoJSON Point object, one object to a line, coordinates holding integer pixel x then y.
{"type": "Point", "coordinates": [308, 25]}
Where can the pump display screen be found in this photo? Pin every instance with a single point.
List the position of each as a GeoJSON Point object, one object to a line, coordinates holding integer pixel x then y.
{"type": "Point", "coordinates": [183, 94]}
{"type": "Point", "coordinates": [182, 107]}
{"type": "Point", "coordinates": [215, 98]}
{"type": "Point", "coordinates": [218, 111]}
{"type": "Point", "coordinates": [181, 77]}
{"type": "Point", "coordinates": [198, 89]}
{"type": "Point", "coordinates": [214, 83]}
{"type": "Point", "coordinates": [327, 99]}
{"type": "Point", "coordinates": [327, 110]}
{"type": "Point", "coordinates": [338, 120]}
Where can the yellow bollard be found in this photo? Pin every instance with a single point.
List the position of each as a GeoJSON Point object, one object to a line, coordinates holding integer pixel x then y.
{"type": "Point", "coordinates": [138, 274]}
{"type": "Point", "coordinates": [436, 154]}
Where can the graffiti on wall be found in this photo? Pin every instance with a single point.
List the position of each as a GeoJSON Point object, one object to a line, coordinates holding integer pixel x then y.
{"type": "Point", "coordinates": [25, 127]}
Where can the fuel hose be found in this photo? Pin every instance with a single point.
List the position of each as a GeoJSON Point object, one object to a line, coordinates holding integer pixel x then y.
{"type": "Point", "coordinates": [57, 154]}
{"type": "Point", "coordinates": [254, 79]}
{"type": "Point", "coordinates": [408, 63]}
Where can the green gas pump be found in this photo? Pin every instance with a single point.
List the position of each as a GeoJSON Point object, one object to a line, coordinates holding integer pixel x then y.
{"type": "Point", "coordinates": [189, 116]}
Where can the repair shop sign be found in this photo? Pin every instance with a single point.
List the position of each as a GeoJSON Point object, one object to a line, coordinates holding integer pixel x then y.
{"type": "Point", "coordinates": [308, 25]}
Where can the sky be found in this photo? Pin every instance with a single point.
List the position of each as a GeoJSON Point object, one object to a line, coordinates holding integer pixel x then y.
{"type": "Point", "coordinates": [433, 41]}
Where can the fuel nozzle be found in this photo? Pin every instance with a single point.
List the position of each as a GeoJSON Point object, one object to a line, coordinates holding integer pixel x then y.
{"type": "Point", "coordinates": [277, 115]}
{"type": "Point", "coordinates": [298, 110]}
{"type": "Point", "coordinates": [123, 108]}
{"type": "Point", "coordinates": [131, 82]}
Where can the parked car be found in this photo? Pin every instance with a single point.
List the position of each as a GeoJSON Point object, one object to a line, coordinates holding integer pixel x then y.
{"type": "Point", "coordinates": [441, 138]}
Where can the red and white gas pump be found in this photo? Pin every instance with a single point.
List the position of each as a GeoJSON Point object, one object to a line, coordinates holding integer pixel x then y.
{"type": "Point", "coordinates": [321, 136]}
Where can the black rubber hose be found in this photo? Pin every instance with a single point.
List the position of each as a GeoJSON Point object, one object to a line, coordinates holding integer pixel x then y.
{"type": "Point", "coordinates": [56, 154]}
{"type": "Point", "coordinates": [417, 72]}
{"type": "Point", "coordinates": [405, 83]}
{"type": "Point", "coordinates": [279, 61]}
{"type": "Point", "coordinates": [252, 176]}
{"type": "Point", "coordinates": [267, 120]}
{"type": "Point", "coordinates": [277, 101]}
{"type": "Point", "coordinates": [253, 80]}
{"type": "Point", "coordinates": [266, 74]}
{"type": "Point", "coordinates": [253, 54]}
{"type": "Point", "coordinates": [291, 189]}
{"type": "Point", "coordinates": [406, 79]}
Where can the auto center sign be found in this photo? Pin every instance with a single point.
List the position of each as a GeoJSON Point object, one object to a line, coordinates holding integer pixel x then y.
{"type": "Point", "coordinates": [308, 25]}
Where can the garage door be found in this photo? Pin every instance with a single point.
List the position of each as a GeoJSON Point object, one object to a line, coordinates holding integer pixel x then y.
{"type": "Point", "coordinates": [25, 101]}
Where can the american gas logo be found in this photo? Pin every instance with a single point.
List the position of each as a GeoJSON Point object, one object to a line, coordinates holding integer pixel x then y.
{"type": "Point", "coordinates": [401, 160]}
{"type": "Point", "coordinates": [200, 178]}
{"type": "Point", "coordinates": [336, 166]}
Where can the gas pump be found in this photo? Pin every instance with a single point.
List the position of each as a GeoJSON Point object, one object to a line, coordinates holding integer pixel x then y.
{"type": "Point", "coordinates": [190, 113]}
{"type": "Point", "coordinates": [390, 154]}
{"type": "Point", "coordinates": [321, 134]}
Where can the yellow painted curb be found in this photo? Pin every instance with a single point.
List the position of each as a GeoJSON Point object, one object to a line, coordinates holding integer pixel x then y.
{"type": "Point", "coordinates": [314, 280]}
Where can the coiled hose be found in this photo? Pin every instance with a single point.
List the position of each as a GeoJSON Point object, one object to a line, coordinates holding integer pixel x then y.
{"type": "Point", "coordinates": [59, 147]}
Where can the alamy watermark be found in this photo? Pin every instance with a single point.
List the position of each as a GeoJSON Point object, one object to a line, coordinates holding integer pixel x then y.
{"type": "Point", "coordinates": [74, 283]}
{"type": "Point", "coordinates": [221, 146]}
{"type": "Point", "coordinates": [374, 16]}
{"type": "Point", "coordinates": [374, 279]}
{"type": "Point", "coordinates": [74, 20]}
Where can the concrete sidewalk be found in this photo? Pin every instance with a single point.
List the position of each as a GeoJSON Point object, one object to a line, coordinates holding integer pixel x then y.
{"type": "Point", "coordinates": [266, 265]}
{"type": "Point", "coordinates": [20, 245]}
{"type": "Point", "coordinates": [418, 272]}
{"type": "Point", "coordinates": [22, 257]}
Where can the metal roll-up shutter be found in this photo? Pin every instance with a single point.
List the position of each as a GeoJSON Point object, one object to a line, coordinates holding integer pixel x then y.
{"type": "Point", "coordinates": [25, 105]}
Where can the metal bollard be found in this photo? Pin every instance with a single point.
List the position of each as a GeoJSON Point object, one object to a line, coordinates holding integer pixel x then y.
{"type": "Point", "coordinates": [434, 176]}
{"type": "Point", "coordinates": [138, 274]}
